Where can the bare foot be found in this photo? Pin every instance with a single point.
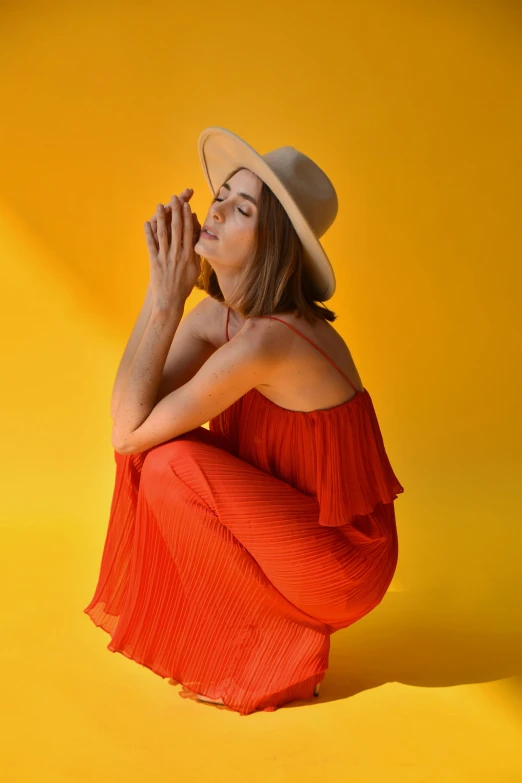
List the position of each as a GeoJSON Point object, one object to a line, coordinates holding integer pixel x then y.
{"type": "Point", "coordinates": [205, 698]}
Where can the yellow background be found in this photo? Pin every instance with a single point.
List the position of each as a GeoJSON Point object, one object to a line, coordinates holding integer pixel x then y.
{"type": "Point", "coordinates": [413, 110]}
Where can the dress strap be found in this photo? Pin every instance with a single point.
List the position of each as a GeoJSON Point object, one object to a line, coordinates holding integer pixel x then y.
{"type": "Point", "coordinates": [311, 343]}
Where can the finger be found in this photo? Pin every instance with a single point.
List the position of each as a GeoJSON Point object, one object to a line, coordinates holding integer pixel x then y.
{"type": "Point", "coordinates": [187, 194]}
{"type": "Point", "coordinates": [176, 223]}
{"type": "Point", "coordinates": [153, 223]}
{"type": "Point", "coordinates": [154, 228]}
{"type": "Point", "coordinates": [188, 226]}
{"type": "Point", "coordinates": [163, 240]}
{"type": "Point", "coordinates": [151, 244]}
{"type": "Point", "coordinates": [196, 228]}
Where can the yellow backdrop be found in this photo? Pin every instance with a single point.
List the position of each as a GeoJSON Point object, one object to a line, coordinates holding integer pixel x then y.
{"type": "Point", "coordinates": [413, 109]}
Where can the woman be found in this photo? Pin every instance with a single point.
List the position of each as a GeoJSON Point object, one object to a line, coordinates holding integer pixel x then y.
{"type": "Point", "coordinates": [232, 554]}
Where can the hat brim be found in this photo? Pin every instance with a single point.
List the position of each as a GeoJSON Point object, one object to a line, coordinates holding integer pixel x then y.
{"type": "Point", "coordinates": [221, 152]}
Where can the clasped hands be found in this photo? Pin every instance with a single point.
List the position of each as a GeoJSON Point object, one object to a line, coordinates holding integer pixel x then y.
{"type": "Point", "coordinates": [171, 235]}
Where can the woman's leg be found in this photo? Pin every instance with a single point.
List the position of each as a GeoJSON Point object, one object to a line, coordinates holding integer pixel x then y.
{"type": "Point", "coordinates": [217, 574]}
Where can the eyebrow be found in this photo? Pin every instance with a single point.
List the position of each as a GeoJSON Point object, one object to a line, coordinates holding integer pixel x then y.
{"type": "Point", "coordinates": [245, 195]}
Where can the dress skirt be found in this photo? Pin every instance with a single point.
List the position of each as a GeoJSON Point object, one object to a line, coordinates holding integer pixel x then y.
{"type": "Point", "coordinates": [217, 574]}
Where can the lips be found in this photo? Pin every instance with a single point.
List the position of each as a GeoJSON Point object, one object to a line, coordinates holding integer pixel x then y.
{"type": "Point", "coordinates": [211, 230]}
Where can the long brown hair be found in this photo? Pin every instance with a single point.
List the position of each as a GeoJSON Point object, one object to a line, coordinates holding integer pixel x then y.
{"type": "Point", "coordinates": [275, 279]}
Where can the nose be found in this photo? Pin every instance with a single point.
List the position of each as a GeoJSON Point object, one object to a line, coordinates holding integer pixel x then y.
{"type": "Point", "coordinates": [214, 210]}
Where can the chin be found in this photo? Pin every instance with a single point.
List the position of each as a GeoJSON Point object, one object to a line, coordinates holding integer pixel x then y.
{"type": "Point", "coordinates": [201, 249]}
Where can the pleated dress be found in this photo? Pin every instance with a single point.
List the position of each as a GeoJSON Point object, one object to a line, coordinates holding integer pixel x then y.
{"type": "Point", "coordinates": [233, 553]}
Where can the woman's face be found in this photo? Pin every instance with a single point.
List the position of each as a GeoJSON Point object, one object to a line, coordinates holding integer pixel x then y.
{"type": "Point", "coordinates": [233, 218]}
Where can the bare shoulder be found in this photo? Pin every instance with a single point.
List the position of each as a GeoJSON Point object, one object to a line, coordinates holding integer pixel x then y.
{"type": "Point", "coordinates": [297, 375]}
{"type": "Point", "coordinates": [307, 359]}
{"type": "Point", "coordinates": [214, 322]}
{"type": "Point", "coordinates": [204, 317]}
{"type": "Point", "coordinates": [253, 335]}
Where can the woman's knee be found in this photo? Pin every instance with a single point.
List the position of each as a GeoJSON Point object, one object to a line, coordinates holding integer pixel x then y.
{"type": "Point", "coordinates": [187, 447]}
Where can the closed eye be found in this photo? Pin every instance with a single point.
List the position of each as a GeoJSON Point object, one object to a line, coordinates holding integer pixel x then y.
{"type": "Point", "coordinates": [243, 213]}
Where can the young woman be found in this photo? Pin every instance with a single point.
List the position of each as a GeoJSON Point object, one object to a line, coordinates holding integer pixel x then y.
{"type": "Point", "coordinates": [233, 553]}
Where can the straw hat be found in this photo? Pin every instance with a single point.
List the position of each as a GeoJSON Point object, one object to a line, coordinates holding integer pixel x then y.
{"type": "Point", "coordinates": [304, 190]}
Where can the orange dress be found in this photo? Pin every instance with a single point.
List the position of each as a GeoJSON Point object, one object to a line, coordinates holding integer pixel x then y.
{"type": "Point", "coordinates": [232, 554]}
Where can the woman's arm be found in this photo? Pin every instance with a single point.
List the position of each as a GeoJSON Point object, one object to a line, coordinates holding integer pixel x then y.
{"type": "Point", "coordinates": [146, 311]}
{"type": "Point", "coordinates": [130, 351]}
{"type": "Point", "coordinates": [140, 390]}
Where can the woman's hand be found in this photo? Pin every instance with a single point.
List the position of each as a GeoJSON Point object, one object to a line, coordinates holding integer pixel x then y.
{"type": "Point", "coordinates": [186, 196]}
{"type": "Point", "coordinates": [174, 267]}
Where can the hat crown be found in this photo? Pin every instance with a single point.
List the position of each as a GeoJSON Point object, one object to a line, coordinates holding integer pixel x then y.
{"type": "Point", "coordinates": [308, 185]}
